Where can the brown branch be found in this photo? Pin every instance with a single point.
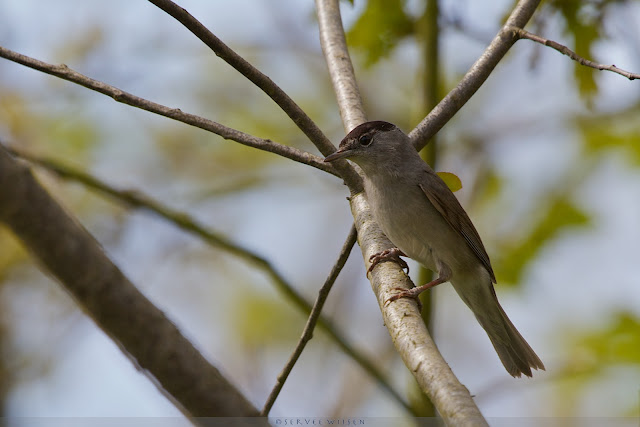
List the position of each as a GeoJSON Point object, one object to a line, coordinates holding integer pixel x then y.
{"type": "Point", "coordinates": [188, 224]}
{"type": "Point", "coordinates": [523, 34]}
{"type": "Point", "coordinates": [66, 73]}
{"type": "Point", "coordinates": [475, 77]}
{"type": "Point", "coordinates": [284, 101]}
{"type": "Point", "coordinates": [154, 344]}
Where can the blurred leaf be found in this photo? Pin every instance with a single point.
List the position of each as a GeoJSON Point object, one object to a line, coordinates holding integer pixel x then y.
{"type": "Point", "coordinates": [262, 320]}
{"type": "Point", "coordinates": [452, 180]}
{"type": "Point", "coordinates": [560, 214]}
{"type": "Point", "coordinates": [590, 357]}
{"type": "Point", "coordinates": [620, 131]}
{"type": "Point", "coordinates": [81, 46]}
{"type": "Point", "coordinates": [584, 23]}
{"type": "Point", "coordinates": [617, 344]}
{"type": "Point", "coordinates": [70, 138]}
{"type": "Point", "coordinates": [491, 183]}
{"type": "Point", "coordinates": [65, 134]}
{"type": "Point", "coordinates": [11, 252]}
{"type": "Point", "coordinates": [204, 156]}
{"type": "Point", "coordinates": [379, 29]}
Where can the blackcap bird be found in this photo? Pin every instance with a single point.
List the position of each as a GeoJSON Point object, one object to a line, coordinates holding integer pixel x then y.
{"type": "Point", "coordinates": [424, 220]}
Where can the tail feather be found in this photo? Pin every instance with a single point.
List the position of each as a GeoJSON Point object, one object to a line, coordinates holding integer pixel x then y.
{"type": "Point", "coordinates": [515, 354]}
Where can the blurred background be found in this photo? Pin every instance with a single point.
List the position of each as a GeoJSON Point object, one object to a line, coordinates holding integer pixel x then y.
{"type": "Point", "coordinates": [548, 153]}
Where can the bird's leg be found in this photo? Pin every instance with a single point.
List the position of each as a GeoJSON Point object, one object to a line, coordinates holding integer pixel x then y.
{"type": "Point", "coordinates": [444, 274]}
{"type": "Point", "coordinates": [393, 254]}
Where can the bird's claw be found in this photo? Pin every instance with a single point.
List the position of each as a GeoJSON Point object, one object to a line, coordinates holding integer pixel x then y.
{"type": "Point", "coordinates": [404, 293]}
{"type": "Point", "coordinates": [393, 254]}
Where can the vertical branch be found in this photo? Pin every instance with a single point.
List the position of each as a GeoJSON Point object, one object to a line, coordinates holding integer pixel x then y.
{"type": "Point", "coordinates": [430, 92]}
{"type": "Point", "coordinates": [334, 47]}
{"type": "Point", "coordinates": [402, 319]}
{"type": "Point", "coordinates": [430, 86]}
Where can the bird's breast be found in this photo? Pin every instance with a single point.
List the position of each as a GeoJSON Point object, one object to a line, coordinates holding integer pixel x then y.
{"type": "Point", "coordinates": [412, 224]}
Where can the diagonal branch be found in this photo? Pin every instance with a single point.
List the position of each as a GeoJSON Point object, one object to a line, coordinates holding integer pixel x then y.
{"type": "Point", "coordinates": [64, 72]}
{"type": "Point", "coordinates": [523, 34]}
{"type": "Point", "coordinates": [307, 333]}
{"type": "Point", "coordinates": [405, 325]}
{"type": "Point", "coordinates": [141, 330]}
{"type": "Point", "coordinates": [185, 222]}
{"type": "Point", "coordinates": [475, 77]}
{"type": "Point", "coordinates": [284, 101]}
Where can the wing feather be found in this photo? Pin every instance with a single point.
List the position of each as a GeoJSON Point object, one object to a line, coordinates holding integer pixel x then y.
{"type": "Point", "coordinates": [448, 206]}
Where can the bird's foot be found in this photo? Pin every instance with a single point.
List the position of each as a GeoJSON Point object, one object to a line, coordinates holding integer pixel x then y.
{"type": "Point", "coordinates": [405, 293]}
{"type": "Point", "coordinates": [414, 292]}
{"type": "Point", "coordinates": [393, 254]}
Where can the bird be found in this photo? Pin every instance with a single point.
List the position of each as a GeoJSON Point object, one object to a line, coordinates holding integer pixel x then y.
{"type": "Point", "coordinates": [424, 220]}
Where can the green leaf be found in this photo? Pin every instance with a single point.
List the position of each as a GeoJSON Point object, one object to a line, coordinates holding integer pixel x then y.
{"type": "Point", "coordinates": [452, 180]}
{"type": "Point", "coordinates": [379, 29]}
{"type": "Point", "coordinates": [265, 320]}
{"type": "Point", "coordinates": [560, 214]}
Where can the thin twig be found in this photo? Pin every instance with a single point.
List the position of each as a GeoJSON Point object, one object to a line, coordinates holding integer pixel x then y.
{"type": "Point", "coordinates": [185, 222]}
{"type": "Point", "coordinates": [523, 34]}
{"type": "Point", "coordinates": [307, 333]}
{"type": "Point", "coordinates": [280, 97]}
{"type": "Point", "coordinates": [475, 77]}
{"type": "Point", "coordinates": [66, 73]}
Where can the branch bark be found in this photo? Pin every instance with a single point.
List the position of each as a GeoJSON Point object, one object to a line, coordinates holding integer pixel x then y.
{"type": "Point", "coordinates": [314, 316]}
{"type": "Point", "coordinates": [142, 331]}
{"type": "Point", "coordinates": [343, 77]}
{"type": "Point", "coordinates": [523, 34]}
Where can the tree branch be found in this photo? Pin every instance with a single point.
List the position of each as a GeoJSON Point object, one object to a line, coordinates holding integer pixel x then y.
{"type": "Point", "coordinates": [307, 333]}
{"type": "Point", "coordinates": [402, 319]}
{"type": "Point", "coordinates": [523, 34]}
{"type": "Point", "coordinates": [343, 77]}
{"type": "Point", "coordinates": [186, 223]}
{"type": "Point", "coordinates": [475, 77]}
{"type": "Point", "coordinates": [66, 73]}
{"type": "Point", "coordinates": [141, 330]}
{"type": "Point", "coordinates": [284, 101]}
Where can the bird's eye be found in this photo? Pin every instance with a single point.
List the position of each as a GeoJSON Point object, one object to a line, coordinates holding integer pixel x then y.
{"type": "Point", "coordinates": [365, 140]}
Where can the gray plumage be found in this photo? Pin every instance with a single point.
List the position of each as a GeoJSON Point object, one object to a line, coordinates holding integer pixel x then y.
{"type": "Point", "coordinates": [423, 218]}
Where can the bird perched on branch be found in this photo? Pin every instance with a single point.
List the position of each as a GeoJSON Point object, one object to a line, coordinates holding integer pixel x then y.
{"type": "Point", "coordinates": [424, 220]}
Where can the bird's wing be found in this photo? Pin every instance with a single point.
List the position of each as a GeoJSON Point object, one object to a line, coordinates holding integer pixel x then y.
{"type": "Point", "coordinates": [447, 204]}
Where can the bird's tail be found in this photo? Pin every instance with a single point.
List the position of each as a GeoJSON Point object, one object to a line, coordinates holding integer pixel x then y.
{"type": "Point", "coordinates": [516, 355]}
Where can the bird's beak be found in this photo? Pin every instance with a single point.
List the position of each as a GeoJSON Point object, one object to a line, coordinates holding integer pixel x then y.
{"type": "Point", "coordinates": [340, 154]}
